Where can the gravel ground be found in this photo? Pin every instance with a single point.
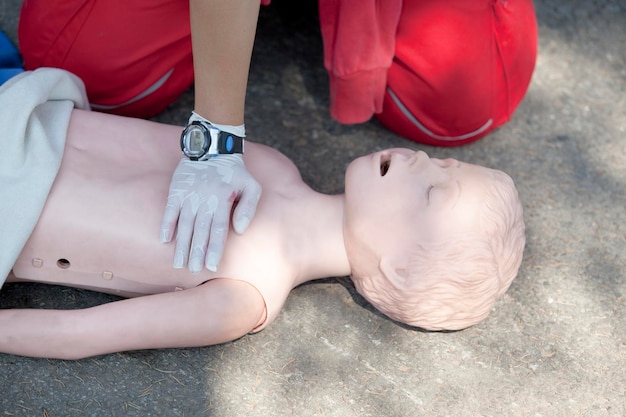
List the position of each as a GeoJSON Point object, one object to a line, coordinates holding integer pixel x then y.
{"type": "Point", "coordinates": [555, 345]}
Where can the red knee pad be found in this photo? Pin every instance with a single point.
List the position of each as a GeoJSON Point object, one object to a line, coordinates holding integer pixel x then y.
{"type": "Point", "coordinates": [460, 70]}
{"type": "Point", "coordinates": [134, 58]}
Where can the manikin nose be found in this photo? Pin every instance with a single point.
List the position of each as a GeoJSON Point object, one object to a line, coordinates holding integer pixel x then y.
{"type": "Point", "coordinates": [445, 163]}
{"type": "Point", "coordinates": [418, 156]}
{"type": "Point", "coordinates": [420, 161]}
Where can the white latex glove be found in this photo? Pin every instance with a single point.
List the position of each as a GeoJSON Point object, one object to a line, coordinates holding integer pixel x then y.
{"type": "Point", "coordinates": [200, 200]}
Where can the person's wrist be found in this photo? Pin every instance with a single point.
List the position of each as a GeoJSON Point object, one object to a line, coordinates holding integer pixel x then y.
{"type": "Point", "coordinates": [202, 139]}
{"type": "Point", "coordinates": [239, 130]}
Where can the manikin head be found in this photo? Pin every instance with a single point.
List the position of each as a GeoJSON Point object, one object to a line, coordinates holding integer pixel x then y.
{"type": "Point", "coordinates": [431, 243]}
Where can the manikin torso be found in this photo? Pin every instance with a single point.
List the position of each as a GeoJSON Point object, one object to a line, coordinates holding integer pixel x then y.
{"type": "Point", "coordinates": [100, 227]}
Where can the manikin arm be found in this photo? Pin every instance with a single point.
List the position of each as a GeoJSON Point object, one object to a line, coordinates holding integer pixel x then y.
{"type": "Point", "coordinates": [218, 311]}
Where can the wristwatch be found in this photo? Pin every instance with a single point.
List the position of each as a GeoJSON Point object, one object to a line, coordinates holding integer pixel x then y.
{"type": "Point", "coordinates": [201, 140]}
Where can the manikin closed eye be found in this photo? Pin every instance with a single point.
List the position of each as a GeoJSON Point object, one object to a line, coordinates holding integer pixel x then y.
{"type": "Point", "coordinates": [428, 190]}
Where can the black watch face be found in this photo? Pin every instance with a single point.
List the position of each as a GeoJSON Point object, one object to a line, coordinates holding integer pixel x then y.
{"type": "Point", "coordinates": [196, 143]}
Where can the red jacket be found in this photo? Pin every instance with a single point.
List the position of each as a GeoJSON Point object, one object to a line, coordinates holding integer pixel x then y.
{"type": "Point", "coordinates": [359, 45]}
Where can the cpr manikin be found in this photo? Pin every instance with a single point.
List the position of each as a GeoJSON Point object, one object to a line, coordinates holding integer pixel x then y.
{"type": "Point", "coordinates": [430, 243]}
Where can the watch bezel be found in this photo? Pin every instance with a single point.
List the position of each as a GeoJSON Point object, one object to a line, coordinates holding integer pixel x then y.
{"type": "Point", "coordinates": [216, 142]}
{"type": "Point", "coordinates": [206, 146]}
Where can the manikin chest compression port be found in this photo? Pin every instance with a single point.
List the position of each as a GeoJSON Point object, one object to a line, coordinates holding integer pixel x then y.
{"type": "Point", "coordinates": [63, 263]}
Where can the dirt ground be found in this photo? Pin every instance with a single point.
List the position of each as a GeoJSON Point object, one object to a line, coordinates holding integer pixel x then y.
{"type": "Point", "coordinates": [555, 345]}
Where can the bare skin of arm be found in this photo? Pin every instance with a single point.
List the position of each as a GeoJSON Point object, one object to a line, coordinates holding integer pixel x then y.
{"type": "Point", "coordinates": [218, 311]}
{"type": "Point", "coordinates": [222, 33]}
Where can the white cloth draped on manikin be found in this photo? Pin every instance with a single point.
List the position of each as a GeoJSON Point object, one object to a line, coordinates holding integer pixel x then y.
{"type": "Point", "coordinates": [35, 109]}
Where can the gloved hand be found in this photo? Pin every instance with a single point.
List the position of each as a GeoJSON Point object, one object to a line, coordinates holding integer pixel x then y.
{"type": "Point", "coordinates": [200, 200]}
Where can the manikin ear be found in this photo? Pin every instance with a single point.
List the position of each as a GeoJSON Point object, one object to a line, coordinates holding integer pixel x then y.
{"type": "Point", "coordinates": [396, 270]}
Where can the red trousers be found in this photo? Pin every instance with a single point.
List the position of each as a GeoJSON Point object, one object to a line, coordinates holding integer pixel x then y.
{"type": "Point", "coordinates": [460, 69]}
{"type": "Point", "coordinates": [133, 56]}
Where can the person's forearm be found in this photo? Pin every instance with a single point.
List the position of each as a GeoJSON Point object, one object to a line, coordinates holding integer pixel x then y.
{"type": "Point", "coordinates": [222, 33]}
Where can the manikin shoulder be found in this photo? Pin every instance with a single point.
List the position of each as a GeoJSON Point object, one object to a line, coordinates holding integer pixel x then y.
{"type": "Point", "coordinates": [270, 167]}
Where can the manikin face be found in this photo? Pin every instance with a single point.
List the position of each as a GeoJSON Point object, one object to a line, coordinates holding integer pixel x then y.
{"type": "Point", "coordinates": [397, 197]}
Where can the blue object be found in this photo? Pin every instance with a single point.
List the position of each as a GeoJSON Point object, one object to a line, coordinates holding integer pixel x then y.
{"type": "Point", "coordinates": [7, 73]}
{"type": "Point", "coordinates": [10, 59]}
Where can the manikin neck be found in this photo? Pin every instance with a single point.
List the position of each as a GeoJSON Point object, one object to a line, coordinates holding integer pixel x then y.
{"type": "Point", "coordinates": [315, 233]}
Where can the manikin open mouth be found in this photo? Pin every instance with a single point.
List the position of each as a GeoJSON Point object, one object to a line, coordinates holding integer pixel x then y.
{"type": "Point", "coordinates": [385, 162]}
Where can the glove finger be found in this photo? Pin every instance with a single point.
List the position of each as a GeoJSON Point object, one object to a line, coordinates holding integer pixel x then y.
{"type": "Point", "coordinates": [219, 232]}
{"type": "Point", "coordinates": [200, 239]}
{"type": "Point", "coordinates": [170, 218]}
{"type": "Point", "coordinates": [183, 236]}
{"type": "Point", "coordinates": [246, 207]}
